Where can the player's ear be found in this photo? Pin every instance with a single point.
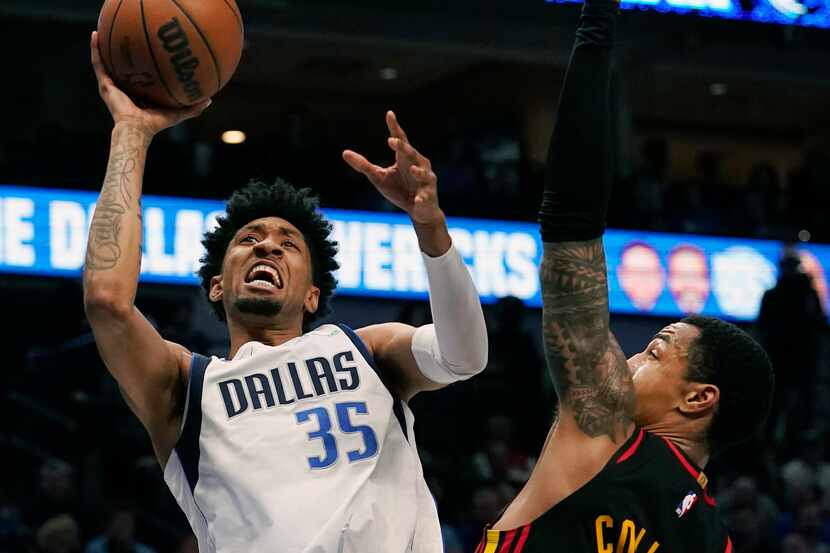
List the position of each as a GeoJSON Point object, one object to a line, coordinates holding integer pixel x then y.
{"type": "Point", "coordinates": [700, 399]}
{"type": "Point", "coordinates": [312, 299]}
{"type": "Point", "coordinates": [216, 291]}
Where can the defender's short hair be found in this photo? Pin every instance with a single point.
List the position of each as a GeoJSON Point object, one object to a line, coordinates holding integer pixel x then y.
{"type": "Point", "coordinates": [256, 200]}
{"type": "Point", "coordinates": [729, 358]}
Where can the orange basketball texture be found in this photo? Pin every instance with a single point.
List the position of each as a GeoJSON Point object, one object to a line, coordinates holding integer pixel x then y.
{"type": "Point", "coordinates": [170, 53]}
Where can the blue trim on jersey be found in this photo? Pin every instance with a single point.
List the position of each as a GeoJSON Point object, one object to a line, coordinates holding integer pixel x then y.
{"type": "Point", "coordinates": [188, 445]}
{"type": "Point", "coordinates": [397, 408]}
{"type": "Point", "coordinates": [360, 345]}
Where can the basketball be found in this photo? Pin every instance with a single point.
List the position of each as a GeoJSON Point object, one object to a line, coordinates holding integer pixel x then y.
{"type": "Point", "coordinates": [170, 53]}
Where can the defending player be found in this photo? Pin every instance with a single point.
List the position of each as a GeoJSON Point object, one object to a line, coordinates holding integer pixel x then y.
{"type": "Point", "coordinates": [621, 469]}
{"type": "Point", "coordinates": [299, 441]}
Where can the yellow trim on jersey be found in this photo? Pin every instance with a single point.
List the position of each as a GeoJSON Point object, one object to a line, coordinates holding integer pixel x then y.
{"type": "Point", "coordinates": [492, 541]}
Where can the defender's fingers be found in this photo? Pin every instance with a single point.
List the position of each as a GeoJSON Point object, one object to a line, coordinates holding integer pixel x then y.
{"type": "Point", "coordinates": [395, 128]}
{"type": "Point", "coordinates": [422, 174]}
{"type": "Point", "coordinates": [406, 149]}
{"type": "Point", "coordinates": [362, 165]}
{"type": "Point", "coordinates": [422, 199]}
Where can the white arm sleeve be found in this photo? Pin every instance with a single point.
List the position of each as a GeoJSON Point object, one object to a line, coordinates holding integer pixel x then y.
{"type": "Point", "coordinates": [454, 347]}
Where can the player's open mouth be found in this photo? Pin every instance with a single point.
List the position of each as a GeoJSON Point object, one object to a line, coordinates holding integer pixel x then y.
{"type": "Point", "coordinates": [264, 276]}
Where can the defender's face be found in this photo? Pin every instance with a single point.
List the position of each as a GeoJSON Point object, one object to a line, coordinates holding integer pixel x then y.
{"type": "Point", "coordinates": [659, 373]}
{"type": "Point", "coordinates": [266, 271]}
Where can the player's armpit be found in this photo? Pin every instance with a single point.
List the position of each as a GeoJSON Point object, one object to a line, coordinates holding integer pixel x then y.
{"type": "Point", "coordinates": [391, 346]}
{"type": "Point", "coordinates": [151, 372]}
{"type": "Point", "coordinates": [589, 370]}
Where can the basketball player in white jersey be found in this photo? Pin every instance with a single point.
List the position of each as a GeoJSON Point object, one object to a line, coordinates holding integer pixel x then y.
{"type": "Point", "coordinates": [299, 441]}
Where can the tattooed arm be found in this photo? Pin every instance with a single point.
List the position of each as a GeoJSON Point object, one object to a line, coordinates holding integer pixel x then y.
{"type": "Point", "coordinates": [149, 370]}
{"type": "Point", "coordinates": [589, 370]}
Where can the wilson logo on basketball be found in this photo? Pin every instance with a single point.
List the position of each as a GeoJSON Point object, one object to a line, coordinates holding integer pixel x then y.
{"type": "Point", "coordinates": [175, 42]}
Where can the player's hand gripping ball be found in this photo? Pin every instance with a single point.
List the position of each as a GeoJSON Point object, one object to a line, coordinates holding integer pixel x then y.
{"type": "Point", "coordinates": [170, 53]}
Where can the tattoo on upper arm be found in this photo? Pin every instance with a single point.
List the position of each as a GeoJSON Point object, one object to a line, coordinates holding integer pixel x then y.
{"type": "Point", "coordinates": [117, 196]}
{"type": "Point", "coordinates": [589, 370]}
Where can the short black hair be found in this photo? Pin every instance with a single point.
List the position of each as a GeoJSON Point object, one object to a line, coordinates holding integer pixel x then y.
{"type": "Point", "coordinates": [729, 358]}
{"type": "Point", "coordinates": [299, 207]}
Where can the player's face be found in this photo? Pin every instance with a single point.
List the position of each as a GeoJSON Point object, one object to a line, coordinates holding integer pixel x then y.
{"type": "Point", "coordinates": [659, 373]}
{"type": "Point", "coordinates": [267, 272]}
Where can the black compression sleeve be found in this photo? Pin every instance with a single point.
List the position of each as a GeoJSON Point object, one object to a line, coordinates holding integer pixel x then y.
{"type": "Point", "coordinates": [579, 166]}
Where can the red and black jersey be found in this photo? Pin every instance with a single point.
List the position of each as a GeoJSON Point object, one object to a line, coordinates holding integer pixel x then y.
{"type": "Point", "coordinates": [649, 498]}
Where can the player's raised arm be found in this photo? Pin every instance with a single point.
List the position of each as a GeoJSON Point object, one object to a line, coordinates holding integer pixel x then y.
{"type": "Point", "coordinates": [148, 369]}
{"type": "Point", "coordinates": [589, 370]}
{"type": "Point", "coordinates": [455, 346]}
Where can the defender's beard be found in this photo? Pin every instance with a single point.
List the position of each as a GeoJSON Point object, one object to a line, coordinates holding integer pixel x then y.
{"type": "Point", "coordinates": [258, 306]}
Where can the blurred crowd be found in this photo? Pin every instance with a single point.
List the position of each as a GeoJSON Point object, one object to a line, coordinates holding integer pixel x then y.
{"type": "Point", "coordinates": [768, 203]}
{"type": "Point", "coordinates": [483, 172]}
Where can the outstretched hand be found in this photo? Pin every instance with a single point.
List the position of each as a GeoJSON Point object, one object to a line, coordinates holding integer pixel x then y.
{"type": "Point", "coordinates": [123, 109]}
{"type": "Point", "coordinates": [409, 183]}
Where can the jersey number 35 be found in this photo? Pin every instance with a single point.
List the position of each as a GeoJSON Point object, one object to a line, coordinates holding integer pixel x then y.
{"type": "Point", "coordinates": [343, 413]}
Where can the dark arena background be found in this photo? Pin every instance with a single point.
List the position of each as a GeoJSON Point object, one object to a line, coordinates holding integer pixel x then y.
{"type": "Point", "coordinates": [722, 119]}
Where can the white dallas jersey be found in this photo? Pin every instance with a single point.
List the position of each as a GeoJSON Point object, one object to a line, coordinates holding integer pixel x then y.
{"type": "Point", "coordinates": [300, 448]}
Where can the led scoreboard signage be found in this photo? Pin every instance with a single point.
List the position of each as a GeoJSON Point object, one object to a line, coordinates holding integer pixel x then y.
{"type": "Point", "coordinates": [808, 13]}
{"type": "Point", "coordinates": [44, 231]}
